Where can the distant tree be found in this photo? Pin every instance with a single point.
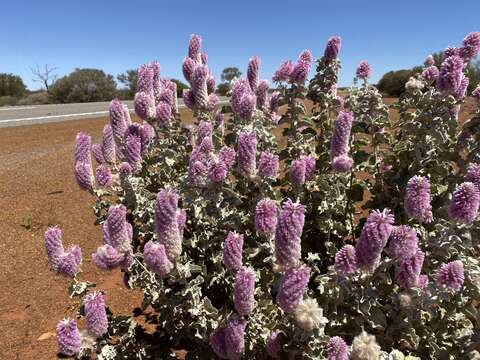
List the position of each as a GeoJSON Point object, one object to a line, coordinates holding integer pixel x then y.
{"type": "Point", "coordinates": [180, 87]}
{"type": "Point", "coordinates": [44, 76]}
{"type": "Point", "coordinates": [129, 81]}
{"type": "Point", "coordinates": [438, 58]}
{"type": "Point", "coordinates": [393, 82]}
{"type": "Point", "coordinates": [84, 85]}
{"type": "Point", "coordinates": [11, 85]}
{"type": "Point", "coordinates": [229, 73]}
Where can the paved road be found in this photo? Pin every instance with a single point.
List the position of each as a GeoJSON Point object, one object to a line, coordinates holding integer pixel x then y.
{"type": "Point", "coordinates": [39, 114]}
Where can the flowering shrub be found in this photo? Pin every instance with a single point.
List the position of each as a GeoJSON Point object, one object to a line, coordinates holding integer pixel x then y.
{"type": "Point", "coordinates": [351, 235]}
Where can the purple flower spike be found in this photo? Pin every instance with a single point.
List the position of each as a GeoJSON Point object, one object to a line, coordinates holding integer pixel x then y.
{"type": "Point", "coordinates": [144, 105]}
{"type": "Point", "coordinates": [268, 165]}
{"type": "Point", "coordinates": [84, 175]}
{"type": "Point", "coordinates": [156, 258]}
{"type": "Point", "coordinates": [210, 84]}
{"type": "Point", "coordinates": [117, 121]}
{"type": "Point", "coordinates": [247, 106]}
{"type": "Point", "coordinates": [108, 144]}
{"type": "Point", "coordinates": [163, 113]}
{"type": "Point", "coordinates": [284, 71]}
{"type": "Point", "coordinates": [68, 337]}
{"type": "Point", "coordinates": [232, 251]}
{"type": "Point", "coordinates": [473, 174]}
{"type": "Point", "coordinates": [166, 223]}
{"type": "Point", "coordinates": [244, 291]}
{"type": "Point", "coordinates": [188, 68]}
{"type": "Point", "coordinates": [247, 152]}
{"type": "Point", "coordinates": [364, 71]}
{"type": "Point", "coordinates": [118, 230]}
{"type": "Point", "coordinates": [471, 46]}
{"type": "Point", "coordinates": [133, 151]}
{"type": "Point", "coordinates": [195, 47]}
{"type": "Point", "coordinates": [253, 71]}
{"type": "Point", "coordinates": [239, 88]}
{"type": "Point", "coordinates": [417, 199]}
{"type": "Point", "coordinates": [199, 86]}
{"type": "Point", "coordinates": [217, 171]}
{"type": "Point", "coordinates": [266, 216]}
{"type": "Point", "coordinates": [70, 262]}
{"type": "Point", "coordinates": [292, 287]}
{"type": "Point", "coordinates": [205, 129]}
{"type": "Point", "coordinates": [342, 163]}
{"type": "Point", "coordinates": [346, 261]}
{"type": "Point", "coordinates": [374, 237]}
{"type": "Point", "coordinates": [333, 48]}
{"type": "Point", "coordinates": [95, 314]}
{"type": "Point", "coordinates": [273, 344]}
{"type": "Point", "coordinates": [103, 175]}
{"type": "Point", "coordinates": [188, 99]}
{"type": "Point", "coordinates": [212, 102]}
{"type": "Point", "coordinates": [107, 257]}
{"type": "Point", "coordinates": [429, 61]}
{"type": "Point", "coordinates": [262, 93]}
{"type": "Point", "coordinates": [339, 144]}
{"type": "Point", "coordinates": [217, 342]}
{"type": "Point", "coordinates": [430, 74]}
{"type": "Point", "coordinates": [97, 153]}
{"type": "Point", "coordinates": [235, 338]}
{"type": "Point", "coordinates": [403, 242]}
{"type": "Point", "coordinates": [451, 75]}
{"type": "Point", "coordinates": [297, 172]}
{"type": "Point", "coordinates": [337, 349]}
{"type": "Point", "coordinates": [288, 247]}
{"type": "Point", "coordinates": [54, 246]}
{"type": "Point", "coordinates": [302, 67]}
{"type": "Point", "coordinates": [83, 143]}
{"type": "Point", "coordinates": [465, 202]}
{"type": "Point", "coordinates": [274, 101]}
{"type": "Point", "coordinates": [451, 275]}
{"type": "Point", "coordinates": [146, 74]}
{"type": "Point", "coordinates": [409, 269]}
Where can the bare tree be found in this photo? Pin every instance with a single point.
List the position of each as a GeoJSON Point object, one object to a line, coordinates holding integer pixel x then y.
{"type": "Point", "coordinates": [45, 76]}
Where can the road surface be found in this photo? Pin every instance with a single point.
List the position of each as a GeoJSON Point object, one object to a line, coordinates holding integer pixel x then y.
{"type": "Point", "coordinates": [39, 114]}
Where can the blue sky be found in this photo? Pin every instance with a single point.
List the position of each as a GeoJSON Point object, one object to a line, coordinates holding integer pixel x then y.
{"type": "Point", "coordinates": [119, 35]}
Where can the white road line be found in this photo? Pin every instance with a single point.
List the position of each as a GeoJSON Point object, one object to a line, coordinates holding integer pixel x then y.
{"type": "Point", "coordinates": [54, 116]}
{"type": "Point", "coordinates": [17, 108]}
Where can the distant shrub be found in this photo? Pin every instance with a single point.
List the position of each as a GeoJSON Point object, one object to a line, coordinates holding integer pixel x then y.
{"type": "Point", "coordinates": [84, 85]}
{"type": "Point", "coordinates": [393, 82]}
{"type": "Point", "coordinates": [8, 100]}
{"type": "Point", "coordinates": [36, 98]}
{"type": "Point", "coordinates": [11, 85]}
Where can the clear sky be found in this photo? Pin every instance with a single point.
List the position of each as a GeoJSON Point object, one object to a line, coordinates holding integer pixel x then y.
{"type": "Point", "coordinates": [119, 35]}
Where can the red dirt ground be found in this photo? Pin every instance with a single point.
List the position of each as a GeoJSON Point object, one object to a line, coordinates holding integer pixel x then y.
{"type": "Point", "coordinates": [36, 181]}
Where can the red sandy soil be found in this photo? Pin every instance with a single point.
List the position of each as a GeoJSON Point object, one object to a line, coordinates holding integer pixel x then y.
{"type": "Point", "coordinates": [36, 181]}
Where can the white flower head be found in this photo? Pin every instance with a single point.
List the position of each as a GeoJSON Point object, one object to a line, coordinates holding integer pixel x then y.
{"type": "Point", "coordinates": [309, 315]}
{"type": "Point", "coordinates": [365, 347]}
{"type": "Point", "coordinates": [414, 84]}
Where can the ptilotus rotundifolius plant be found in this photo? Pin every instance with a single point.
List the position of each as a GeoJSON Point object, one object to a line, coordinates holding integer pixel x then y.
{"type": "Point", "coordinates": [156, 258]}
{"type": "Point", "coordinates": [95, 314]}
{"type": "Point", "coordinates": [268, 165]}
{"type": "Point", "coordinates": [169, 229]}
{"type": "Point", "coordinates": [98, 153]}
{"type": "Point", "coordinates": [266, 217]}
{"type": "Point", "coordinates": [337, 349]}
{"type": "Point", "coordinates": [108, 144]}
{"type": "Point", "coordinates": [54, 246]}
{"type": "Point", "coordinates": [232, 251]}
{"type": "Point", "coordinates": [244, 291]}
{"type": "Point", "coordinates": [451, 275]}
{"type": "Point", "coordinates": [339, 144]}
{"type": "Point", "coordinates": [68, 337]}
{"type": "Point", "coordinates": [408, 270]}
{"type": "Point", "coordinates": [247, 152]}
{"type": "Point", "coordinates": [373, 239]}
{"type": "Point", "coordinates": [246, 278]}
{"type": "Point", "coordinates": [288, 246]}
{"type": "Point", "coordinates": [346, 261]}
{"type": "Point", "coordinates": [464, 204]}
{"type": "Point", "coordinates": [364, 70]}
{"type": "Point", "coordinates": [292, 287]}
{"type": "Point", "coordinates": [417, 200]}
{"type": "Point", "coordinates": [403, 243]}
{"type": "Point", "coordinates": [253, 72]}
